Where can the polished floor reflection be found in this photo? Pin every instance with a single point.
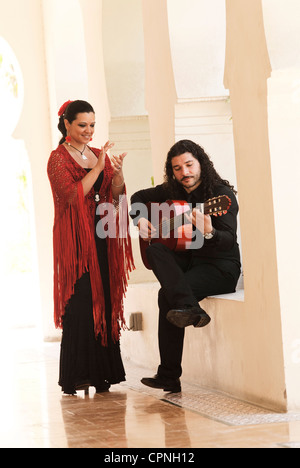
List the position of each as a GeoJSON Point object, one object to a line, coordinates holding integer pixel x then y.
{"type": "Point", "coordinates": [35, 414]}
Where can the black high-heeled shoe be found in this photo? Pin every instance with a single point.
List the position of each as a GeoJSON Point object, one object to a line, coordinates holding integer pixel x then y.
{"type": "Point", "coordinates": [69, 394]}
{"type": "Point", "coordinates": [84, 386]}
{"type": "Point", "coordinates": [103, 388]}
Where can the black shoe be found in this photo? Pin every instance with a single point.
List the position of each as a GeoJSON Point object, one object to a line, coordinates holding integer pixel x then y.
{"type": "Point", "coordinates": [187, 316]}
{"type": "Point", "coordinates": [83, 386]}
{"type": "Point", "coordinates": [103, 387]}
{"type": "Point", "coordinates": [203, 320]}
{"type": "Point", "coordinates": [168, 385]}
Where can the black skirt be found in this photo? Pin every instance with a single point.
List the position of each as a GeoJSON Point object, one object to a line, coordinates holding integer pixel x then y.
{"type": "Point", "coordinates": [83, 360]}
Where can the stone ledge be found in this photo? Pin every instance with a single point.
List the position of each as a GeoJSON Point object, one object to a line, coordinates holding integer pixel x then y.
{"type": "Point", "coordinates": [236, 296]}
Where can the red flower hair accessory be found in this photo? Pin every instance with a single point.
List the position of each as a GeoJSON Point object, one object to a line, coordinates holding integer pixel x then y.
{"type": "Point", "coordinates": [63, 108]}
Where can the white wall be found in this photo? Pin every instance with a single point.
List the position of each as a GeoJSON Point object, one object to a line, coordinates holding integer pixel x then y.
{"type": "Point", "coordinates": [197, 38]}
{"type": "Point", "coordinates": [123, 42]}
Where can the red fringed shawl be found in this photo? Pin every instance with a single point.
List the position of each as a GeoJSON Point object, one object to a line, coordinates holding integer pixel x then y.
{"type": "Point", "coordinates": [74, 246]}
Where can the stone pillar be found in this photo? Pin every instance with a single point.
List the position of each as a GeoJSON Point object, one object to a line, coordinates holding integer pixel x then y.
{"type": "Point", "coordinates": [282, 25]}
{"type": "Point", "coordinates": [246, 73]}
{"type": "Point", "coordinates": [160, 87]}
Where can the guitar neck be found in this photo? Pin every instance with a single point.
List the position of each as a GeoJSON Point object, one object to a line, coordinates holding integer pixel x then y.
{"type": "Point", "coordinates": [180, 220]}
{"type": "Point", "coordinates": [214, 206]}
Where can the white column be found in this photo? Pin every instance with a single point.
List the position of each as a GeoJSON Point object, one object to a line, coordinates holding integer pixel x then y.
{"type": "Point", "coordinates": [282, 24]}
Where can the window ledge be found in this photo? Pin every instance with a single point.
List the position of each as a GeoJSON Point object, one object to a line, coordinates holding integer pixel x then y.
{"type": "Point", "coordinates": [235, 296]}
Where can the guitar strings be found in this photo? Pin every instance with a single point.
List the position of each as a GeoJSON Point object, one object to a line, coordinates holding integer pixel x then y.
{"type": "Point", "coordinates": [171, 221]}
{"type": "Point", "coordinates": [209, 208]}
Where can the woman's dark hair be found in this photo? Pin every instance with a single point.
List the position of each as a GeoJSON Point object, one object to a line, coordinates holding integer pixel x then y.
{"type": "Point", "coordinates": [74, 108]}
{"type": "Point", "coordinates": [209, 176]}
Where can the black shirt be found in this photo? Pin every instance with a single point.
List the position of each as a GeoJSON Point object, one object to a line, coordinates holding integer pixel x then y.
{"type": "Point", "coordinates": [223, 248]}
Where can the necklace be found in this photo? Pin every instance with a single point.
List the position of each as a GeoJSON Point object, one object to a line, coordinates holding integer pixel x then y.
{"type": "Point", "coordinates": [81, 152]}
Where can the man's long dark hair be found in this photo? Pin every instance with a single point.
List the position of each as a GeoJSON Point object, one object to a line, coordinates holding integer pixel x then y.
{"type": "Point", "coordinates": [209, 176]}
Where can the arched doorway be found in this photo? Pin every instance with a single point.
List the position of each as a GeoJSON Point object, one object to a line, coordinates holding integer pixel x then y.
{"type": "Point", "coordinates": [18, 270]}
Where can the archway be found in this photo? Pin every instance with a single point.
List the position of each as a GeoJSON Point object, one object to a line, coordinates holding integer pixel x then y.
{"type": "Point", "coordinates": [18, 249]}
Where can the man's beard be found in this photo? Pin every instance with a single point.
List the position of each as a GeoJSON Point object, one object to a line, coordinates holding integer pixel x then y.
{"type": "Point", "coordinates": [195, 179]}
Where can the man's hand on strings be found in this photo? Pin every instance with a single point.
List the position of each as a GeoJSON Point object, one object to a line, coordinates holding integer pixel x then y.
{"type": "Point", "coordinates": [147, 230]}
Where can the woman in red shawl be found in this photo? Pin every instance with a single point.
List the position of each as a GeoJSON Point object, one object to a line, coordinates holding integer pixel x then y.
{"type": "Point", "coordinates": [90, 270]}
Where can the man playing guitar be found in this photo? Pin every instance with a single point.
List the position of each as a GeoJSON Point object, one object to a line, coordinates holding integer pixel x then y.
{"type": "Point", "coordinates": [188, 276]}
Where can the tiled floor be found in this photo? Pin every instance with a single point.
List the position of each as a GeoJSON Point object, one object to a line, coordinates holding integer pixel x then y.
{"type": "Point", "coordinates": [35, 414]}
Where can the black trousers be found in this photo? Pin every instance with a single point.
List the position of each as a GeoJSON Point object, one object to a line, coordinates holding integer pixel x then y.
{"type": "Point", "coordinates": [185, 280]}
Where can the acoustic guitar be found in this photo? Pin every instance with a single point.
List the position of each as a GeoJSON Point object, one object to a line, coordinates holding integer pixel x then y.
{"type": "Point", "coordinates": [173, 229]}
